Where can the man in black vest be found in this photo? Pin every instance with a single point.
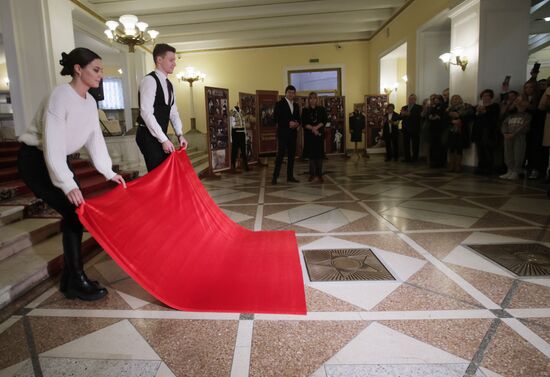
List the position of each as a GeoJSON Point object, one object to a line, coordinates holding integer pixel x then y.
{"type": "Point", "coordinates": [287, 118]}
{"type": "Point", "coordinates": [410, 121]}
{"type": "Point", "coordinates": [157, 106]}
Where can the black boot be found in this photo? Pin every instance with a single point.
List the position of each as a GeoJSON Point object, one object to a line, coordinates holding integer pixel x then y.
{"type": "Point", "coordinates": [64, 279]}
{"type": "Point", "coordinates": [77, 284]}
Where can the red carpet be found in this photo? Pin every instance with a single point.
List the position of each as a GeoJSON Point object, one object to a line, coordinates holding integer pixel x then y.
{"type": "Point", "coordinates": [167, 233]}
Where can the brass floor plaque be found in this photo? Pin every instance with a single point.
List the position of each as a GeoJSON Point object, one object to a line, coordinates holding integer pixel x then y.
{"type": "Point", "coordinates": [523, 259]}
{"type": "Point", "coordinates": [345, 265]}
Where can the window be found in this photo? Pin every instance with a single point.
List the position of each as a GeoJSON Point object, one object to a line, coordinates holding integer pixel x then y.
{"type": "Point", "coordinates": [113, 94]}
{"type": "Point", "coordinates": [326, 82]}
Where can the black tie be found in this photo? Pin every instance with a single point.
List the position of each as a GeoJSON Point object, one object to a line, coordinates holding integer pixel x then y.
{"type": "Point", "coordinates": [170, 90]}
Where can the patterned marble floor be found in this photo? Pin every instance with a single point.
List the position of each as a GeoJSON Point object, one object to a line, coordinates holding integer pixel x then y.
{"type": "Point", "coordinates": [450, 311]}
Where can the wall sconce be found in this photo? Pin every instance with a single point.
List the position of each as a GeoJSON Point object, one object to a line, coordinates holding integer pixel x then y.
{"type": "Point", "coordinates": [7, 82]}
{"type": "Point", "coordinates": [190, 75]}
{"type": "Point", "coordinates": [120, 71]}
{"type": "Point", "coordinates": [405, 78]}
{"type": "Point", "coordinates": [456, 58]}
{"type": "Point", "coordinates": [389, 89]}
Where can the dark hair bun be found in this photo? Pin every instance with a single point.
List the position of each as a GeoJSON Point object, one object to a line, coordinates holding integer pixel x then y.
{"type": "Point", "coordinates": [67, 68]}
{"type": "Point", "coordinates": [80, 55]}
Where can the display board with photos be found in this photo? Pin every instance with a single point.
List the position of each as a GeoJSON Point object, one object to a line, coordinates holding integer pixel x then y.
{"type": "Point", "coordinates": [247, 102]}
{"type": "Point", "coordinates": [217, 110]}
{"type": "Point", "coordinates": [335, 133]}
{"type": "Point", "coordinates": [265, 106]}
{"type": "Point", "coordinates": [375, 105]}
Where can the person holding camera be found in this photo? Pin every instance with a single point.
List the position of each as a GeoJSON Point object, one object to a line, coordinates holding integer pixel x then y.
{"type": "Point", "coordinates": [485, 131]}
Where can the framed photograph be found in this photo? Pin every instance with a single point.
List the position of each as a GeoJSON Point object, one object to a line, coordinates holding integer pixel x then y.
{"type": "Point", "coordinates": [247, 102]}
{"type": "Point", "coordinates": [335, 133]}
{"type": "Point", "coordinates": [217, 100]}
{"type": "Point", "coordinates": [266, 100]}
{"type": "Point", "coordinates": [375, 106]}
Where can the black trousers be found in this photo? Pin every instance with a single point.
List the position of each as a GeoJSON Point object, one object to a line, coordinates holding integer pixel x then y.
{"type": "Point", "coordinates": [486, 157]}
{"type": "Point", "coordinates": [150, 148]}
{"type": "Point", "coordinates": [316, 167]}
{"type": "Point", "coordinates": [32, 169]}
{"type": "Point", "coordinates": [411, 139]}
{"type": "Point", "coordinates": [392, 146]}
{"type": "Point", "coordinates": [239, 143]}
{"type": "Point", "coordinates": [286, 145]}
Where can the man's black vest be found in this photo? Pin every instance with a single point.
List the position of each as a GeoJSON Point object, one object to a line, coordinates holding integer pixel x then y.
{"type": "Point", "coordinates": [161, 109]}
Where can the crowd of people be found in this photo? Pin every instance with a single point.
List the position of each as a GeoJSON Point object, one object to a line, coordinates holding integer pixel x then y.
{"type": "Point", "coordinates": [511, 133]}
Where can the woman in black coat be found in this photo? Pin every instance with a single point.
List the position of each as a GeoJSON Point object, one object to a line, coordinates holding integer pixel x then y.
{"type": "Point", "coordinates": [438, 131]}
{"type": "Point", "coordinates": [314, 119]}
{"type": "Point", "coordinates": [485, 131]}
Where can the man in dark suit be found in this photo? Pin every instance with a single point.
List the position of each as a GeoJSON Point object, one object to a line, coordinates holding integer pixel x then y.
{"type": "Point", "coordinates": [287, 118]}
{"type": "Point", "coordinates": [391, 133]}
{"type": "Point", "coordinates": [411, 121]}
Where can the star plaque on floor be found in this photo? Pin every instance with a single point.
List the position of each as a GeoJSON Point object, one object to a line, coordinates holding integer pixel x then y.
{"type": "Point", "coordinates": [523, 259]}
{"type": "Point", "coordinates": [345, 265]}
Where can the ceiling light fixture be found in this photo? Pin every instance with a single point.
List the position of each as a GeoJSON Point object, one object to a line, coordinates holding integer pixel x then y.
{"type": "Point", "coordinates": [132, 32]}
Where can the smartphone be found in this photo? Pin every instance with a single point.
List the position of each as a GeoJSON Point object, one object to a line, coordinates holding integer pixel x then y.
{"type": "Point", "coordinates": [506, 81]}
{"type": "Point", "coordinates": [536, 67]}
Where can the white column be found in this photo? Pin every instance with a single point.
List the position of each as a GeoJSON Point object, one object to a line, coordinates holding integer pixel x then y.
{"type": "Point", "coordinates": [494, 36]}
{"type": "Point", "coordinates": [34, 34]}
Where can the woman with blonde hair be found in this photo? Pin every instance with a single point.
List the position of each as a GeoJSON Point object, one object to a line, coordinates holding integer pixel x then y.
{"type": "Point", "coordinates": [460, 115]}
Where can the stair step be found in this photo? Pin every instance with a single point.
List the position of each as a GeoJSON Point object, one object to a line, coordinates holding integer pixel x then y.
{"type": "Point", "coordinates": [199, 159]}
{"type": "Point", "coordinates": [9, 174]}
{"type": "Point", "coordinates": [10, 214]}
{"type": "Point", "coordinates": [8, 151]}
{"type": "Point", "coordinates": [8, 162]}
{"type": "Point", "coordinates": [200, 169]}
{"type": "Point", "coordinates": [195, 153]}
{"type": "Point", "coordinates": [8, 144]}
{"type": "Point", "coordinates": [13, 188]}
{"type": "Point", "coordinates": [25, 233]}
{"type": "Point", "coordinates": [23, 271]}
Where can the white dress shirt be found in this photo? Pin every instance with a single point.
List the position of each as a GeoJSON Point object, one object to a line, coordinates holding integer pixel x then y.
{"type": "Point", "coordinates": [291, 104]}
{"type": "Point", "coordinates": [64, 123]}
{"type": "Point", "coordinates": [147, 93]}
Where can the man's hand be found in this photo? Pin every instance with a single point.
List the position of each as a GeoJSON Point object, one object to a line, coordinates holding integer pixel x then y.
{"type": "Point", "coordinates": [183, 142]}
{"type": "Point", "coordinates": [293, 124]}
{"type": "Point", "coordinates": [168, 147]}
{"type": "Point", "coordinates": [75, 197]}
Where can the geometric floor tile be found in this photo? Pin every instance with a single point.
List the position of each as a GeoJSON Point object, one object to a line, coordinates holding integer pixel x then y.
{"type": "Point", "coordinates": [54, 367]}
{"type": "Point", "coordinates": [298, 348]}
{"type": "Point", "coordinates": [528, 205]}
{"type": "Point", "coordinates": [451, 215]}
{"type": "Point", "coordinates": [359, 294]}
{"type": "Point", "coordinates": [380, 345]}
{"type": "Point", "coordinates": [462, 256]}
{"type": "Point", "coordinates": [236, 216]}
{"type": "Point", "coordinates": [24, 368]}
{"type": "Point", "coordinates": [120, 341]}
{"type": "Point", "coordinates": [407, 370]}
{"type": "Point", "coordinates": [482, 238]}
{"type": "Point", "coordinates": [344, 265]}
{"type": "Point", "coordinates": [111, 271]}
{"type": "Point", "coordinates": [525, 259]}
{"type": "Point", "coordinates": [134, 302]}
{"type": "Point", "coordinates": [318, 301]}
{"type": "Point", "coordinates": [475, 187]}
{"type": "Point", "coordinates": [227, 195]}
{"type": "Point", "coordinates": [304, 194]}
{"type": "Point", "coordinates": [317, 217]}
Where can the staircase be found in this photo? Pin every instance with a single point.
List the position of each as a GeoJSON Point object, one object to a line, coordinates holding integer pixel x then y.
{"type": "Point", "coordinates": [30, 239]}
{"type": "Point", "coordinates": [199, 160]}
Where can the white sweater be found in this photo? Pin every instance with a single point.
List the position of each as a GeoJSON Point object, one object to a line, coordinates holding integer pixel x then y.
{"type": "Point", "coordinates": [64, 123]}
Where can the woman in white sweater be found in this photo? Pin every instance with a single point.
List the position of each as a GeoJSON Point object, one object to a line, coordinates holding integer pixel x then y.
{"type": "Point", "coordinates": [65, 122]}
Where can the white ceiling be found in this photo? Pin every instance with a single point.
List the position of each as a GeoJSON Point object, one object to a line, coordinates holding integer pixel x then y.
{"type": "Point", "coordinates": [214, 24]}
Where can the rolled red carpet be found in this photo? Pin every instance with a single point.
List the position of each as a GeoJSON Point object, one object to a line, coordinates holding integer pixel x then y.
{"type": "Point", "coordinates": [167, 233]}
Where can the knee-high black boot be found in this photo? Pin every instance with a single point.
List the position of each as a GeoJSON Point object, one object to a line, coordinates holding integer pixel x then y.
{"type": "Point", "coordinates": [77, 283]}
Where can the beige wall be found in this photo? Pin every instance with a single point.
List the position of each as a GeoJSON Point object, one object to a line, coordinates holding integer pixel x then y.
{"type": "Point", "coordinates": [248, 70]}
{"type": "Point", "coordinates": [403, 29]}
{"type": "Point", "coordinates": [3, 76]}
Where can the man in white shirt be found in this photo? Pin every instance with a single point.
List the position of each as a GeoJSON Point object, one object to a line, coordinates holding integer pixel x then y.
{"type": "Point", "coordinates": [157, 106]}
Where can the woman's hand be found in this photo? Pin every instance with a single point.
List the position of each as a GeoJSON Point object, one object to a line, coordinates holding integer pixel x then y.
{"type": "Point", "coordinates": [118, 179]}
{"type": "Point", "coordinates": [75, 197]}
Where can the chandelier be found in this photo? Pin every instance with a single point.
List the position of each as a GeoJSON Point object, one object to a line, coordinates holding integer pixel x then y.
{"type": "Point", "coordinates": [132, 32]}
{"type": "Point", "coordinates": [190, 75]}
